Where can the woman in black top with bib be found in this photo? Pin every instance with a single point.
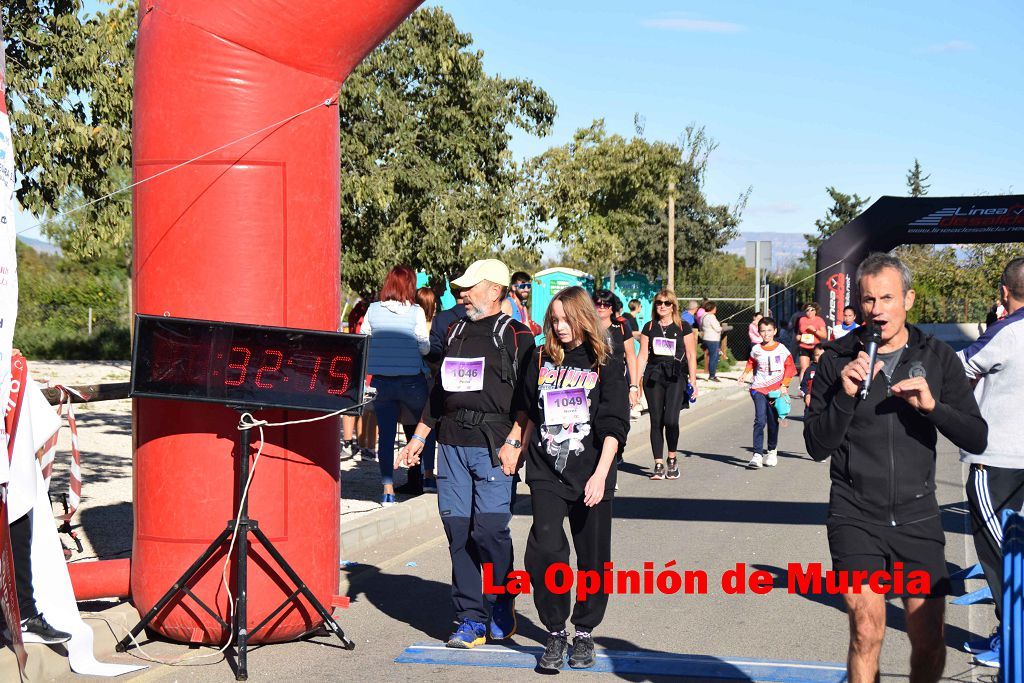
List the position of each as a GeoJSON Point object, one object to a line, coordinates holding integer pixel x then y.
{"type": "Point", "coordinates": [575, 393]}
{"type": "Point", "coordinates": [668, 355]}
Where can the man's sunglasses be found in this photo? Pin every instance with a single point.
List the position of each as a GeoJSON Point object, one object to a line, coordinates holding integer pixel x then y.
{"type": "Point", "coordinates": [663, 303]}
{"type": "Point", "coordinates": [523, 285]}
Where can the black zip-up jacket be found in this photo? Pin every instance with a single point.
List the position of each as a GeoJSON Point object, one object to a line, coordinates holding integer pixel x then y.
{"type": "Point", "coordinates": [882, 449]}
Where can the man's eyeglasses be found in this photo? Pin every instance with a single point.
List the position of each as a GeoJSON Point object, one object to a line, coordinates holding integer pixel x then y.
{"type": "Point", "coordinates": [662, 303]}
{"type": "Point", "coordinates": [523, 285]}
{"type": "Point", "coordinates": [602, 304]}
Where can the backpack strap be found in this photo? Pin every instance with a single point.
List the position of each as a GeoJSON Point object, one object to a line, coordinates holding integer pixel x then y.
{"type": "Point", "coordinates": [509, 366]}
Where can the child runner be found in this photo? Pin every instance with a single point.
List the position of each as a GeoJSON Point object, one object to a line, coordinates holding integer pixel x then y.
{"type": "Point", "coordinates": [773, 368]}
{"type": "Point", "coordinates": [665, 342]}
{"type": "Point", "coordinates": [575, 392]}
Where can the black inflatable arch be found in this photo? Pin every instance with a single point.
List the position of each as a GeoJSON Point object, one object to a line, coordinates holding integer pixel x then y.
{"type": "Point", "coordinates": [892, 221]}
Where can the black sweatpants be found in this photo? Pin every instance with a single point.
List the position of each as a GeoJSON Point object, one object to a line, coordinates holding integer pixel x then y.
{"type": "Point", "coordinates": [591, 529]}
{"type": "Point", "coordinates": [21, 549]}
{"type": "Point", "coordinates": [664, 401]}
{"type": "Point", "coordinates": [990, 490]}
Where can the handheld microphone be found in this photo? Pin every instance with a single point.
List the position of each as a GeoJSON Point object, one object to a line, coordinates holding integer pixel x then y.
{"type": "Point", "coordinates": [874, 338]}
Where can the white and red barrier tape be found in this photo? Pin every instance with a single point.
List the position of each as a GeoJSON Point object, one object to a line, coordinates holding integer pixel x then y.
{"type": "Point", "coordinates": [49, 452]}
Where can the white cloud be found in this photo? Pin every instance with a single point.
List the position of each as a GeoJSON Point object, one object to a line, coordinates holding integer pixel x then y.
{"type": "Point", "coordinates": [693, 25]}
{"type": "Point", "coordinates": [952, 46]}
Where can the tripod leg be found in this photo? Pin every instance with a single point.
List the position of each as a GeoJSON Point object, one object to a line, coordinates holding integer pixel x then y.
{"type": "Point", "coordinates": [329, 621]}
{"type": "Point", "coordinates": [175, 589]}
{"type": "Point", "coordinates": [241, 586]}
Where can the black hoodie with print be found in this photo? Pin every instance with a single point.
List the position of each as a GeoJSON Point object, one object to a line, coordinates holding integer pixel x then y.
{"type": "Point", "coordinates": [562, 457]}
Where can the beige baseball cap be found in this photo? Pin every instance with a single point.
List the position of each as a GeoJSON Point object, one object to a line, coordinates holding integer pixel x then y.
{"type": "Point", "coordinates": [489, 269]}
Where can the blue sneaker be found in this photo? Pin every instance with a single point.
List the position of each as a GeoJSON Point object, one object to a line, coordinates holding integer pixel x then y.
{"type": "Point", "coordinates": [387, 500]}
{"type": "Point", "coordinates": [991, 657]}
{"type": "Point", "coordinates": [468, 634]}
{"type": "Point", "coordinates": [981, 645]}
{"type": "Point", "coordinates": [503, 619]}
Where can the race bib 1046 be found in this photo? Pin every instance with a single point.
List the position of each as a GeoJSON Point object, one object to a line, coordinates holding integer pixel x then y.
{"type": "Point", "coordinates": [566, 406]}
{"type": "Point", "coordinates": [664, 346]}
{"type": "Point", "coordinates": [462, 374]}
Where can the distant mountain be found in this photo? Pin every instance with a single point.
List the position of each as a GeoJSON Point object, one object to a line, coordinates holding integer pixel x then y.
{"type": "Point", "coordinates": [787, 247]}
{"type": "Point", "coordinates": [40, 246]}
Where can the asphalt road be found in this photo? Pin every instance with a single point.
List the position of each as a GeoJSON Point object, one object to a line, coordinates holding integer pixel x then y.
{"type": "Point", "coordinates": [718, 514]}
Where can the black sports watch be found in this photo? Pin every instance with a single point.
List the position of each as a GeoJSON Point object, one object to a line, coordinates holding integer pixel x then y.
{"type": "Point", "coordinates": [514, 443]}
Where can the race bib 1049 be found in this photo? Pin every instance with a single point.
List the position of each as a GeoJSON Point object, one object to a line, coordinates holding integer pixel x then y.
{"type": "Point", "coordinates": [566, 406]}
{"type": "Point", "coordinates": [664, 346]}
{"type": "Point", "coordinates": [462, 374]}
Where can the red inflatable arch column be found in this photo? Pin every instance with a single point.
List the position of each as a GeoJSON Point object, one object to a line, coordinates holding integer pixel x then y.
{"type": "Point", "coordinates": [247, 234]}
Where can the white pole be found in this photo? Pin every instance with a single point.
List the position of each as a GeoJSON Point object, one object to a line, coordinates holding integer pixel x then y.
{"type": "Point", "coordinates": [90, 321]}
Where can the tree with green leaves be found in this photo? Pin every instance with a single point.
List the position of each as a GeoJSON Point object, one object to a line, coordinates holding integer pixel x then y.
{"type": "Point", "coordinates": [916, 180]}
{"type": "Point", "coordinates": [845, 207]}
{"type": "Point", "coordinates": [604, 199]}
{"type": "Point", "coordinates": [69, 87]}
{"type": "Point", "coordinates": [427, 177]}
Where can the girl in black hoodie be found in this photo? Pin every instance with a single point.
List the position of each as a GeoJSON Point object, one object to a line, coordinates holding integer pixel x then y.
{"type": "Point", "coordinates": [577, 398]}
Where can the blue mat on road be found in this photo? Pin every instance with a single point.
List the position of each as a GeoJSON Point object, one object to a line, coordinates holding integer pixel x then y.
{"type": "Point", "coordinates": [640, 663]}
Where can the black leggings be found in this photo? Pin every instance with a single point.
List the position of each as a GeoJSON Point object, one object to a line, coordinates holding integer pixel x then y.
{"type": "Point", "coordinates": [664, 401]}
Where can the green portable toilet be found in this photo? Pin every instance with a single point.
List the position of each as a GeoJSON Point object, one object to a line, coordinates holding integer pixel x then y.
{"type": "Point", "coordinates": [551, 281]}
{"type": "Point", "coordinates": [447, 300]}
{"type": "Point", "coordinates": [630, 284]}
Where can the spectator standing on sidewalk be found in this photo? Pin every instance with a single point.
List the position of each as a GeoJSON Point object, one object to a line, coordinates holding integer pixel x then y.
{"type": "Point", "coordinates": [398, 341]}
{"type": "Point", "coordinates": [995, 367]}
{"type": "Point", "coordinates": [711, 330]}
{"type": "Point", "coordinates": [753, 334]}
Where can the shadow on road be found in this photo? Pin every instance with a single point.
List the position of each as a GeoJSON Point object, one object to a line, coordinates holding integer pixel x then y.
{"type": "Point", "coordinates": [717, 510]}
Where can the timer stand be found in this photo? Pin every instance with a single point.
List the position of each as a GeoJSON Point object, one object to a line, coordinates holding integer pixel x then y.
{"type": "Point", "coordinates": [246, 526]}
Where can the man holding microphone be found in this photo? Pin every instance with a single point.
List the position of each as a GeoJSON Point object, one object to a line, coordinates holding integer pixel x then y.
{"type": "Point", "coordinates": [876, 409]}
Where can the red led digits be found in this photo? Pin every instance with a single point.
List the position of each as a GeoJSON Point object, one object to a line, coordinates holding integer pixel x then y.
{"type": "Point", "coordinates": [239, 366]}
{"type": "Point", "coordinates": [345, 374]}
{"type": "Point", "coordinates": [269, 368]}
{"type": "Point", "coordinates": [316, 370]}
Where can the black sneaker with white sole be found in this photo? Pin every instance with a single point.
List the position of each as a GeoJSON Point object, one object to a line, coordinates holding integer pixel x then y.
{"type": "Point", "coordinates": [37, 630]}
{"type": "Point", "coordinates": [554, 652]}
{"type": "Point", "coordinates": [582, 656]}
{"type": "Point", "coordinates": [673, 469]}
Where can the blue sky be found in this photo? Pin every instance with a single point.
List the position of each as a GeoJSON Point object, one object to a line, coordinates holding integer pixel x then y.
{"type": "Point", "coordinates": [799, 95]}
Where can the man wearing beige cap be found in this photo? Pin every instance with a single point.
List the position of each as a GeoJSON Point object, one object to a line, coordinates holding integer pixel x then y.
{"type": "Point", "coordinates": [475, 408]}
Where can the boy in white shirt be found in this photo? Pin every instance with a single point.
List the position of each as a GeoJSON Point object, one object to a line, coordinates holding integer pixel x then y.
{"type": "Point", "coordinates": [773, 369]}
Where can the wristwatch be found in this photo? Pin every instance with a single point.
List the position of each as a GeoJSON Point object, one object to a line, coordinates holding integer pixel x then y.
{"type": "Point", "coordinates": [514, 443]}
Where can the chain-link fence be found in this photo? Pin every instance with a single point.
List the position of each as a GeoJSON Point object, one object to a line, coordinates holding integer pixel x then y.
{"type": "Point", "coordinates": [73, 332]}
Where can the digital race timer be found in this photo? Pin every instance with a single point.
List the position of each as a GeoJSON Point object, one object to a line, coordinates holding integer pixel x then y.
{"type": "Point", "coordinates": [247, 365]}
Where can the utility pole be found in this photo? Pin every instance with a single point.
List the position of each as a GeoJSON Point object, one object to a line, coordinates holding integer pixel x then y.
{"type": "Point", "coordinates": [672, 238]}
{"type": "Point", "coordinates": [611, 279]}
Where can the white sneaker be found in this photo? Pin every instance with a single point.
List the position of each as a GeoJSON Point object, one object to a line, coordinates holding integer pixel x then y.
{"type": "Point", "coordinates": [755, 462]}
{"type": "Point", "coordinates": [771, 459]}
{"type": "Point", "coordinates": [635, 414]}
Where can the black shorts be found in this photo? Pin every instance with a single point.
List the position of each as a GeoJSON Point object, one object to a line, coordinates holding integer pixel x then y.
{"type": "Point", "coordinates": [807, 353]}
{"type": "Point", "coordinates": [859, 546]}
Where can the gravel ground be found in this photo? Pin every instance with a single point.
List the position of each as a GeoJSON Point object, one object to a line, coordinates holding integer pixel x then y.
{"type": "Point", "coordinates": [104, 518]}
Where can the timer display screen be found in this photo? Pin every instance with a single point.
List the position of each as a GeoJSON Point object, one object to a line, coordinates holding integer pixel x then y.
{"type": "Point", "coordinates": [247, 365]}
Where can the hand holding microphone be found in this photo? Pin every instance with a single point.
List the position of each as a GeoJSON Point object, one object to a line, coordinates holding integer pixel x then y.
{"type": "Point", "coordinates": [858, 373]}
